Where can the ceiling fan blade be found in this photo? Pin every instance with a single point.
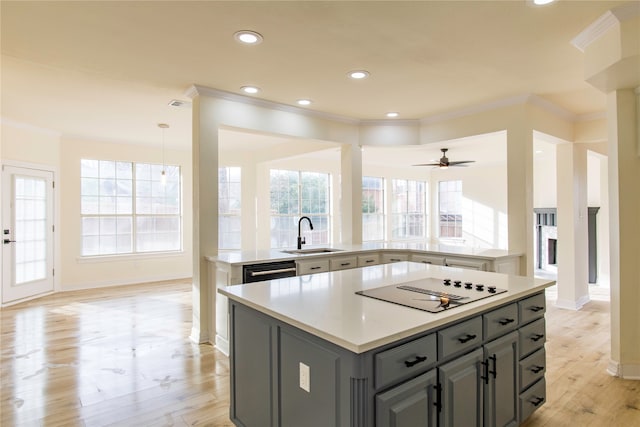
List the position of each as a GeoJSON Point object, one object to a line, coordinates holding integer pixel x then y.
{"type": "Point", "coordinates": [461, 162]}
{"type": "Point", "coordinates": [428, 164]}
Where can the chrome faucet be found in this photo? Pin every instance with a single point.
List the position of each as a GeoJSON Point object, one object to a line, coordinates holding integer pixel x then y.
{"type": "Point", "coordinates": [302, 240]}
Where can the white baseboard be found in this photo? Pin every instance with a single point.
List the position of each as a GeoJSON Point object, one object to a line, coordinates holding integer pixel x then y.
{"type": "Point", "coordinates": [625, 371]}
{"type": "Point", "coordinates": [571, 304]}
{"type": "Point", "coordinates": [120, 282]}
{"type": "Point", "coordinates": [198, 337]}
{"type": "Point", "coordinates": [222, 345]}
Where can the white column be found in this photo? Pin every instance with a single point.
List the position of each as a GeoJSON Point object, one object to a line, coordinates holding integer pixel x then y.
{"type": "Point", "coordinates": [624, 232]}
{"type": "Point", "coordinates": [572, 253]}
{"type": "Point", "coordinates": [205, 219]}
{"type": "Point", "coordinates": [520, 191]}
{"type": "Point", "coordinates": [351, 194]}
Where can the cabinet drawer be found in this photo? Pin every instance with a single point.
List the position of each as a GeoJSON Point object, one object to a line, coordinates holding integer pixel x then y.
{"type": "Point", "coordinates": [461, 337]}
{"type": "Point", "coordinates": [500, 321]}
{"type": "Point", "coordinates": [309, 267]}
{"type": "Point", "coordinates": [405, 360]}
{"type": "Point", "coordinates": [468, 263]}
{"type": "Point", "coordinates": [532, 308]}
{"type": "Point", "coordinates": [365, 260]}
{"type": "Point", "coordinates": [389, 258]}
{"type": "Point", "coordinates": [342, 263]}
{"type": "Point", "coordinates": [532, 368]}
{"type": "Point", "coordinates": [532, 337]}
{"type": "Point", "coordinates": [428, 259]}
{"type": "Point", "coordinates": [532, 399]}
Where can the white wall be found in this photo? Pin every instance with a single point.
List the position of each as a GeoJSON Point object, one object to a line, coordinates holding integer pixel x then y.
{"type": "Point", "coordinates": [25, 145]}
{"type": "Point", "coordinates": [544, 175]}
{"type": "Point", "coordinates": [30, 145]}
{"type": "Point", "coordinates": [81, 273]}
{"type": "Point", "coordinates": [484, 204]}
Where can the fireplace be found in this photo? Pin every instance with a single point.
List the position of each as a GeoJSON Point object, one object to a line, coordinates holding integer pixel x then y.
{"type": "Point", "coordinates": [546, 251]}
{"type": "Point", "coordinates": [552, 246]}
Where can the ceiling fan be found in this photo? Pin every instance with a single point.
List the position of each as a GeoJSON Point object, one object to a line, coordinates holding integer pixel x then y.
{"type": "Point", "coordinates": [445, 163]}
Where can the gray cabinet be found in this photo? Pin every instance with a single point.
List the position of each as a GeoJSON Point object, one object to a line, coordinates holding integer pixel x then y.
{"type": "Point", "coordinates": [484, 370]}
{"type": "Point", "coordinates": [462, 391]}
{"type": "Point", "coordinates": [500, 376]}
{"type": "Point", "coordinates": [411, 404]}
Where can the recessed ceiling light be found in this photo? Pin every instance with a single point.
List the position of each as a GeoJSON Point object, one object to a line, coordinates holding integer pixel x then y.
{"type": "Point", "coordinates": [304, 102]}
{"type": "Point", "coordinates": [358, 74]}
{"type": "Point", "coordinates": [250, 89]}
{"type": "Point", "coordinates": [542, 2]}
{"type": "Point", "coordinates": [248, 37]}
{"type": "Point", "coordinates": [392, 114]}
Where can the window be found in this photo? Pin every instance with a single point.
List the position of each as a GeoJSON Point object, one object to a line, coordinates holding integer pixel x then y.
{"type": "Point", "coordinates": [125, 208]}
{"type": "Point", "coordinates": [450, 208]}
{"type": "Point", "coordinates": [229, 204]}
{"type": "Point", "coordinates": [294, 194]}
{"type": "Point", "coordinates": [372, 208]}
{"type": "Point", "coordinates": [408, 209]}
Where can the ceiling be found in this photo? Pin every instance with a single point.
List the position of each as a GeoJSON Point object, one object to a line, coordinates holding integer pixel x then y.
{"type": "Point", "coordinates": [106, 70]}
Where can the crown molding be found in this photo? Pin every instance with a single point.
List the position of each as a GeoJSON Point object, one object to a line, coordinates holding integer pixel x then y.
{"type": "Point", "coordinates": [26, 126]}
{"type": "Point", "coordinates": [390, 122]}
{"type": "Point", "coordinates": [531, 99]}
{"type": "Point", "coordinates": [552, 108]}
{"type": "Point", "coordinates": [475, 109]}
{"type": "Point", "coordinates": [598, 115]}
{"type": "Point", "coordinates": [258, 102]}
{"type": "Point", "coordinates": [502, 103]}
{"type": "Point", "coordinates": [604, 23]}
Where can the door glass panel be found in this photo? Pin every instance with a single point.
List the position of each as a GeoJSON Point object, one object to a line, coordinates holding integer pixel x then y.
{"type": "Point", "coordinates": [30, 229]}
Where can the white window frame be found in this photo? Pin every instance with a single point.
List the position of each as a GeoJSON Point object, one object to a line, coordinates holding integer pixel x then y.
{"type": "Point", "coordinates": [450, 206]}
{"type": "Point", "coordinates": [381, 214]}
{"type": "Point", "coordinates": [406, 213]}
{"type": "Point", "coordinates": [173, 177]}
{"type": "Point", "coordinates": [312, 237]}
{"type": "Point", "coordinates": [224, 192]}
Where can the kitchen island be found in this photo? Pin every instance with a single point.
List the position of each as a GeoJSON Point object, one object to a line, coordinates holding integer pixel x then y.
{"type": "Point", "coordinates": [230, 268]}
{"type": "Point", "coordinates": [309, 351]}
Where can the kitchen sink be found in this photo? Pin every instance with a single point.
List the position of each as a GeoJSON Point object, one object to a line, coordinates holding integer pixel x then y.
{"type": "Point", "coordinates": [311, 251]}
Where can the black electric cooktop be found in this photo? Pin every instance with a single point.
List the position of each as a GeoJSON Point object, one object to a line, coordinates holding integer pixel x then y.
{"type": "Point", "coordinates": [433, 295]}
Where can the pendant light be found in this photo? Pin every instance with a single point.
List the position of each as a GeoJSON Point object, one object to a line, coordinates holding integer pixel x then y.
{"type": "Point", "coordinates": [163, 176]}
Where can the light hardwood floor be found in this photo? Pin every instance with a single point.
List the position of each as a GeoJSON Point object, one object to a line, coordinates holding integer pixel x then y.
{"type": "Point", "coordinates": [121, 356]}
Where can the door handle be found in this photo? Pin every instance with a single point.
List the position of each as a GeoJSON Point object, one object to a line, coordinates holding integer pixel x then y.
{"type": "Point", "coordinates": [7, 241]}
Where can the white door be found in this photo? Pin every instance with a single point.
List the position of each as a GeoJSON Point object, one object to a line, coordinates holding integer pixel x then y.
{"type": "Point", "coordinates": [27, 232]}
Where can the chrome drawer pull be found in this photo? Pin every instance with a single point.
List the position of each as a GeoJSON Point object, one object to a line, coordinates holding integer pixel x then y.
{"type": "Point", "coordinates": [418, 359]}
{"type": "Point", "coordinates": [266, 272]}
{"type": "Point", "coordinates": [468, 338]}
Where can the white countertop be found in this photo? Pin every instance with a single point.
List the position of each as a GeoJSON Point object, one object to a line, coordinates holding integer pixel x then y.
{"type": "Point", "coordinates": [325, 304]}
{"type": "Point", "coordinates": [245, 257]}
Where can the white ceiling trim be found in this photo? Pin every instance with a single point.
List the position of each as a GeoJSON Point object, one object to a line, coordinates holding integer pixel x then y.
{"type": "Point", "coordinates": [26, 126]}
{"type": "Point", "coordinates": [258, 102]}
{"type": "Point", "coordinates": [600, 115]}
{"type": "Point", "coordinates": [391, 122]}
{"type": "Point", "coordinates": [552, 108]}
{"type": "Point", "coordinates": [506, 102]}
{"type": "Point", "coordinates": [604, 23]}
{"type": "Point", "coordinates": [476, 109]}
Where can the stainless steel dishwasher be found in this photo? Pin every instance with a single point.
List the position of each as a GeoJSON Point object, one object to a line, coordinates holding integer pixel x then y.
{"type": "Point", "coordinates": [268, 271]}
